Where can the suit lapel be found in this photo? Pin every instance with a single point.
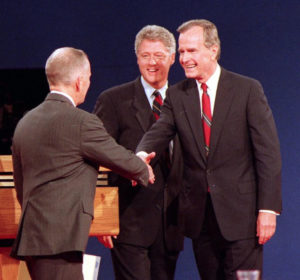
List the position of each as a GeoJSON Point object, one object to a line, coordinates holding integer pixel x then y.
{"type": "Point", "coordinates": [192, 106]}
{"type": "Point", "coordinates": [142, 107]}
{"type": "Point", "coordinates": [222, 105]}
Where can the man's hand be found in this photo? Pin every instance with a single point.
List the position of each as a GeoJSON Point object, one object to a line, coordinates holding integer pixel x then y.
{"type": "Point", "coordinates": [106, 240]}
{"type": "Point", "coordinates": [147, 159]}
{"type": "Point", "coordinates": [151, 174]}
{"type": "Point", "coordinates": [266, 226]}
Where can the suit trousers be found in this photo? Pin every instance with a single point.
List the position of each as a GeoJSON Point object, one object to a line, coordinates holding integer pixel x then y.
{"type": "Point", "coordinates": [65, 266]}
{"type": "Point", "coordinates": [132, 262]}
{"type": "Point", "coordinates": [219, 259]}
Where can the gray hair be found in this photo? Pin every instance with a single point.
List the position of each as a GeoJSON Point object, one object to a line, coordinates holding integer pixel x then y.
{"type": "Point", "coordinates": [210, 32]}
{"type": "Point", "coordinates": [155, 33]}
{"type": "Point", "coordinates": [63, 65]}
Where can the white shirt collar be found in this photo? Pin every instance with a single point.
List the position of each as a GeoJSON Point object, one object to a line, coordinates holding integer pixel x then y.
{"type": "Point", "coordinates": [149, 90]}
{"type": "Point", "coordinates": [212, 82]}
{"type": "Point", "coordinates": [212, 85]}
{"type": "Point", "coordinates": [65, 95]}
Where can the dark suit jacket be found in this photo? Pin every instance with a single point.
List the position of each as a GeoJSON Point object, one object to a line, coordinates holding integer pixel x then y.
{"type": "Point", "coordinates": [56, 152]}
{"type": "Point", "coordinates": [243, 168]}
{"type": "Point", "coordinates": [127, 115]}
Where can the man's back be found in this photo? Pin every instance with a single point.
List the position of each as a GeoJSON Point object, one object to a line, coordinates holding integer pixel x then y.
{"type": "Point", "coordinates": [53, 130]}
{"type": "Point", "coordinates": [53, 176]}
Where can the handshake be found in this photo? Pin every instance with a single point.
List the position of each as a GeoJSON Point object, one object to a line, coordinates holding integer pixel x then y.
{"type": "Point", "coordinates": [146, 158]}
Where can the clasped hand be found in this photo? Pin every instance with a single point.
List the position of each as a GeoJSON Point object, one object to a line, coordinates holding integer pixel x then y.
{"type": "Point", "coordinates": [147, 159]}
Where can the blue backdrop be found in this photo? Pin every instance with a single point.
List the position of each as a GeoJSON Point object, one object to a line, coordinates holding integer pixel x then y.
{"type": "Point", "coordinates": [259, 39]}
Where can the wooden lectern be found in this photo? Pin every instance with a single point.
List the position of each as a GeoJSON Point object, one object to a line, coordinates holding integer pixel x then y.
{"type": "Point", "coordinates": [106, 213]}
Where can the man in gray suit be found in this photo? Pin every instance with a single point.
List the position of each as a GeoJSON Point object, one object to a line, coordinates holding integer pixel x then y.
{"type": "Point", "coordinates": [232, 162]}
{"type": "Point", "coordinates": [56, 152]}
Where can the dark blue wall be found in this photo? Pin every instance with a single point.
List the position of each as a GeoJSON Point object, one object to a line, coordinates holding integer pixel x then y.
{"type": "Point", "coordinates": [259, 39]}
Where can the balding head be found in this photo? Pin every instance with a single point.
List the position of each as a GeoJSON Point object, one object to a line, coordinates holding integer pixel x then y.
{"type": "Point", "coordinates": [68, 70]}
{"type": "Point", "coordinates": [64, 65]}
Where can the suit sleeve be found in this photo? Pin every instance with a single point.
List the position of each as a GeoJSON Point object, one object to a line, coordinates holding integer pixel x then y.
{"type": "Point", "coordinates": [266, 150]}
{"type": "Point", "coordinates": [98, 146]}
{"type": "Point", "coordinates": [162, 131]}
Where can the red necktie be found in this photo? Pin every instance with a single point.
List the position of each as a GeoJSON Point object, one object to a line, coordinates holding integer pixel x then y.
{"type": "Point", "coordinates": [206, 117]}
{"type": "Point", "coordinates": [157, 103]}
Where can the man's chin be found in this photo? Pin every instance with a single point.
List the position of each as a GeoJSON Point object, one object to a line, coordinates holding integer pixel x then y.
{"type": "Point", "coordinates": [152, 81]}
{"type": "Point", "coordinates": [190, 75]}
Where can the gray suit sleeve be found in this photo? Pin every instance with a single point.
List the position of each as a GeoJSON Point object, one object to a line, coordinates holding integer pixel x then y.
{"type": "Point", "coordinates": [98, 146]}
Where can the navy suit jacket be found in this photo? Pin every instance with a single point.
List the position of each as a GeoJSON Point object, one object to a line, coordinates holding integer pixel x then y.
{"type": "Point", "coordinates": [127, 115]}
{"type": "Point", "coordinates": [243, 168]}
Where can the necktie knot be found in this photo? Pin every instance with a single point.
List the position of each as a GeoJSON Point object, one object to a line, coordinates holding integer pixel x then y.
{"type": "Point", "coordinates": [156, 93]}
{"type": "Point", "coordinates": [204, 87]}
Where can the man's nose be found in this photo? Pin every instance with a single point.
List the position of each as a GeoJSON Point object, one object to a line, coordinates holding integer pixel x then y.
{"type": "Point", "coordinates": [152, 60]}
{"type": "Point", "coordinates": [184, 57]}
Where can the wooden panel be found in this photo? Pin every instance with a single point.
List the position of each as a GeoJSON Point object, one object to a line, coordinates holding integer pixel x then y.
{"type": "Point", "coordinates": [8, 266]}
{"type": "Point", "coordinates": [106, 204]}
{"type": "Point", "coordinates": [10, 212]}
{"type": "Point", "coordinates": [106, 214]}
{"type": "Point", "coordinates": [23, 272]}
{"type": "Point", "coordinates": [6, 163]}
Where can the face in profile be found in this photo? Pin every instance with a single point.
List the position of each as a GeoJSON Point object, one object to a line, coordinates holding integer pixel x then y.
{"type": "Point", "coordinates": [154, 61]}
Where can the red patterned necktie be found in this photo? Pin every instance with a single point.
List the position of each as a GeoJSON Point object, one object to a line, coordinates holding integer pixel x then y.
{"type": "Point", "coordinates": [206, 117]}
{"type": "Point", "coordinates": [157, 103]}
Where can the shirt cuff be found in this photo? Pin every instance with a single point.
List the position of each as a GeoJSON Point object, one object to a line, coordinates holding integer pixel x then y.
{"type": "Point", "coordinates": [142, 154]}
{"type": "Point", "coordinates": [269, 211]}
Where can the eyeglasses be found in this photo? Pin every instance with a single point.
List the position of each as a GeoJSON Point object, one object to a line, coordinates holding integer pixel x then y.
{"type": "Point", "coordinates": [155, 56]}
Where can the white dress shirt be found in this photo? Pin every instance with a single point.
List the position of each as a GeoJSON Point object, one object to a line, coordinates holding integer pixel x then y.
{"type": "Point", "coordinates": [149, 91]}
{"type": "Point", "coordinates": [212, 85]}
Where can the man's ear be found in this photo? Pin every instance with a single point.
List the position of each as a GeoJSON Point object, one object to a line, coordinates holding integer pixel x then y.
{"type": "Point", "coordinates": [78, 84]}
{"type": "Point", "coordinates": [214, 49]}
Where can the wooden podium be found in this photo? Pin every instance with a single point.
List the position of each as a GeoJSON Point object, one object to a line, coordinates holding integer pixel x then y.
{"type": "Point", "coordinates": [106, 213]}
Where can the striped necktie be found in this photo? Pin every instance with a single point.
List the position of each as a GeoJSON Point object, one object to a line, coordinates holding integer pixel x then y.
{"type": "Point", "coordinates": [206, 117]}
{"type": "Point", "coordinates": [157, 103]}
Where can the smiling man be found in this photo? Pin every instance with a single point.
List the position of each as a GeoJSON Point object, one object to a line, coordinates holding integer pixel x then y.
{"type": "Point", "coordinates": [149, 241]}
{"type": "Point", "coordinates": [232, 164]}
